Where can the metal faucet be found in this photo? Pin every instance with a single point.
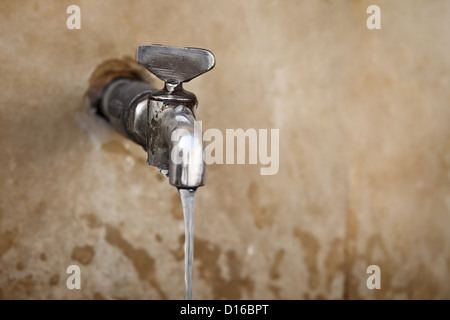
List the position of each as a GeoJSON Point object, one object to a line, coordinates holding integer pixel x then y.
{"type": "Point", "coordinates": [161, 121]}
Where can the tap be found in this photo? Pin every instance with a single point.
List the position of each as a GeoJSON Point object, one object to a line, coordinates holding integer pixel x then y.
{"type": "Point", "coordinates": [162, 121]}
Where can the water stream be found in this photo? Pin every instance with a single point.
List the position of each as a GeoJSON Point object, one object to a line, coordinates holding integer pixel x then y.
{"type": "Point", "coordinates": [187, 201]}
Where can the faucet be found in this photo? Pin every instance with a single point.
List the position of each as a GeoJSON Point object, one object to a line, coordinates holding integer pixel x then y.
{"type": "Point", "coordinates": [162, 121]}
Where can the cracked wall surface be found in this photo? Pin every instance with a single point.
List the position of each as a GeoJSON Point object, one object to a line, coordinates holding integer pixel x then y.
{"type": "Point", "coordinates": [364, 151]}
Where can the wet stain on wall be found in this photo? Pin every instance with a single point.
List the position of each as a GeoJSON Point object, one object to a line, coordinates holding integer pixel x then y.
{"type": "Point", "coordinates": [310, 246]}
{"type": "Point", "coordinates": [274, 272]}
{"type": "Point", "coordinates": [350, 253]}
{"type": "Point", "coordinates": [142, 262]}
{"type": "Point", "coordinates": [275, 291]}
{"type": "Point", "coordinates": [54, 279]}
{"type": "Point", "coordinates": [334, 261]}
{"type": "Point", "coordinates": [83, 254]}
{"type": "Point", "coordinates": [7, 239]}
{"type": "Point", "coordinates": [92, 220]}
{"type": "Point", "coordinates": [116, 147]}
{"type": "Point", "coordinates": [262, 215]}
{"type": "Point", "coordinates": [424, 284]}
{"type": "Point", "coordinates": [178, 253]}
{"type": "Point", "coordinates": [98, 296]}
{"type": "Point", "coordinates": [207, 255]}
{"type": "Point", "coordinates": [21, 287]}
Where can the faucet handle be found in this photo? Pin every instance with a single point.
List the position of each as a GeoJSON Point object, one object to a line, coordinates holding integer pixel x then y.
{"type": "Point", "coordinates": [175, 65]}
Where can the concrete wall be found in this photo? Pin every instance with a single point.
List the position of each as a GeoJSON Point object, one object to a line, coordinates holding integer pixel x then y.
{"type": "Point", "coordinates": [364, 151]}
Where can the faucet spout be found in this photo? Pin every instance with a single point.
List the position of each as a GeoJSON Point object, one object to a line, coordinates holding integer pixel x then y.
{"type": "Point", "coordinates": [184, 136]}
{"type": "Point", "coordinates": [175, 142]}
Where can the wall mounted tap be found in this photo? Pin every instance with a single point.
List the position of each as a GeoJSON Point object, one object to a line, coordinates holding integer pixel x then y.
{"type": "Point", "coordinates": [162, 121]}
